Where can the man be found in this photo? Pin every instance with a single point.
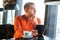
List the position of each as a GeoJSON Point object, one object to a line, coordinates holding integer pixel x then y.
{"type": "Point", "coordinates": [26, 22]}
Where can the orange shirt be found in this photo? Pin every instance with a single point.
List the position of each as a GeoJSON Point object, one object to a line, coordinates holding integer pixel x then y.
{"type": "Point", "coordinates": [21, 23]}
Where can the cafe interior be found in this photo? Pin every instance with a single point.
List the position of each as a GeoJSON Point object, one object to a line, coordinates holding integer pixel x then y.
{"type": "Point", "coordinates": [47, 10]}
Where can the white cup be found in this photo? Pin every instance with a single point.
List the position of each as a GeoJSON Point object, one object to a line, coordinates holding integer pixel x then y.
{"type": "Point", "coordinates": [27, 33]}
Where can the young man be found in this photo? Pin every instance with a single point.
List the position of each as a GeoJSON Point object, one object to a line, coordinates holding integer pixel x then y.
{"type": "Point", "coordinates": [26, 22]}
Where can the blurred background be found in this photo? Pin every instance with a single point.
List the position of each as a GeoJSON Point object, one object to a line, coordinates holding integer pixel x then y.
{"type": "Point", "coordinates": [49, 15]}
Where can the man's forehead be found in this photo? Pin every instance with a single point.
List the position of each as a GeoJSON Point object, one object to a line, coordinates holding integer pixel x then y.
{"type": "Point", "coordinates": [32, 6]}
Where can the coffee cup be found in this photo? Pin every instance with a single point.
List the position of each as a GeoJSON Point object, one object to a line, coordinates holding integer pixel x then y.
{"type": "Point", "coordinates": [27, 33]}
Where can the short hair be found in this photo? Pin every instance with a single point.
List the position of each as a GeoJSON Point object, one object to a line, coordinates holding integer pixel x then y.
{"type": "Point", "coordinates": [28, 4]}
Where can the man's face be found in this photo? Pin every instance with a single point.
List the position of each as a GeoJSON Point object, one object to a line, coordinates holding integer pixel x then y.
{"type": "Point", "coordinates": [31, 10]}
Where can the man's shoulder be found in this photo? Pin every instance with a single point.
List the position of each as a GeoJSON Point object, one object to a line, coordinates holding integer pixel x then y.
{"type": "Point", "coordinates": [19, 16]}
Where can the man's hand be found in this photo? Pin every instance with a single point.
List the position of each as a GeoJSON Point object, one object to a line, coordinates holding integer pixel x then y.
{"type": "Point", "coordinates": [34, 32]}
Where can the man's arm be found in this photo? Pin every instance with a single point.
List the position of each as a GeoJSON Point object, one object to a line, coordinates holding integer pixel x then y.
{"type": "Point", "coordinates": [37, 21]}
{"type": "Point", "coordinates": [17, 28]}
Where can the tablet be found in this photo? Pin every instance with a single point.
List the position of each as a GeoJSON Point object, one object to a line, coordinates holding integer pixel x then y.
{"type": "Point", "coordinates": [40, 29]}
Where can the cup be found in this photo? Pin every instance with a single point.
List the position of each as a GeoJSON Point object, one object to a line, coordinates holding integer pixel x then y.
{"type": "Point", "coordinates": [27, 33]}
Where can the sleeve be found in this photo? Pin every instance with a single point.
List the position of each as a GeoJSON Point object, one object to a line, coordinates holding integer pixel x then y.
{"type": "Point", "coordinates": [17, 28]}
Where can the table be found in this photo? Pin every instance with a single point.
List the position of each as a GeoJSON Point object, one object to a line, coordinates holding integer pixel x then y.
{"type": "Point", "coordinates": [40, 37]}
{"type": "Point", "coordinates": [33, 38]}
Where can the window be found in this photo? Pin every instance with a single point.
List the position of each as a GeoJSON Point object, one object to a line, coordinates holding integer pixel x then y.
{"type": "Point", "coordinates": [1, 11]}
{"type": "Point", "coordinates": [1, 17]}
{"type": "Point", "coordinates": [1, 3]}
{"type": "Point", "coordinates": [10, 16]}
{"type": "Point", "coordinates": [58, 24]}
